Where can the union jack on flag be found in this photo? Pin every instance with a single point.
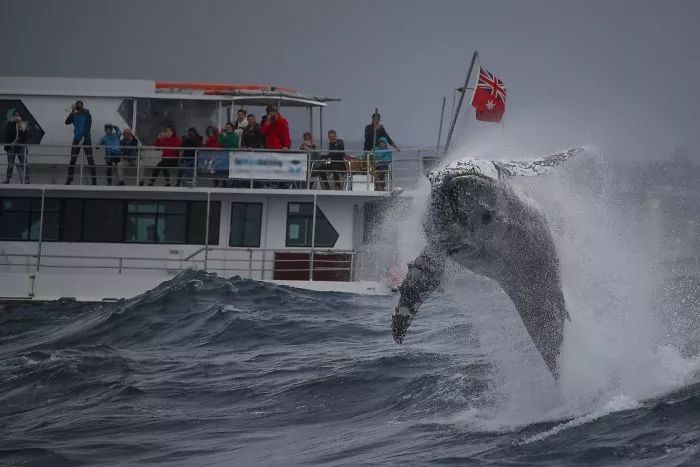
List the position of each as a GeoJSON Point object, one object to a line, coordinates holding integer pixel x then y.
{"type": "Point", "coordinates": [489, 97]}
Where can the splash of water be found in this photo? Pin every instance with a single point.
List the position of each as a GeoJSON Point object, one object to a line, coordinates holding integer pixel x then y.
{"type": "Point", "coordinates": [613, 348]}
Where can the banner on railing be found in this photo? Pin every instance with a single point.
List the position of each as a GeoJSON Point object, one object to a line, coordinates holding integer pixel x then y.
{"type": "Point", "coordinates": [267, 165]}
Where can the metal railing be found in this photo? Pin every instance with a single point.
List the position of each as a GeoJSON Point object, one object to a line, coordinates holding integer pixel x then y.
{"type": "Point", "coordinates": [254, 261]}
{"type": "Point", "coordinates": [201, 166]}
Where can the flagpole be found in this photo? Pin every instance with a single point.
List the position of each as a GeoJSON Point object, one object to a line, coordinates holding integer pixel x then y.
{"type": "Point", "coordinates": [442, 117]}
{"type": "Point", "coordinates": [461, 98]}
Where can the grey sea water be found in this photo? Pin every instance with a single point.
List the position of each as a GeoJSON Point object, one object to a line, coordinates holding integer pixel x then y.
{"type": "Point", "coordinates": [204, 371]}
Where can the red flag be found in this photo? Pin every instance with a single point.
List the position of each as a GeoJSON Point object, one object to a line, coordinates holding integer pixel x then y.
{"type": "Point", "coordinates": [489, 97]}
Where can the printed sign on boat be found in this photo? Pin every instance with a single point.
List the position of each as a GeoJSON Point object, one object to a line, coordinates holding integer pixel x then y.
{"type": "Point", "coordinates": [267, 165]}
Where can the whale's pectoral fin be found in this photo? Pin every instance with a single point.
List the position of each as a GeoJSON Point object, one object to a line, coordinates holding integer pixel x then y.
{"type": "Point", "coordinates": [423, 277]}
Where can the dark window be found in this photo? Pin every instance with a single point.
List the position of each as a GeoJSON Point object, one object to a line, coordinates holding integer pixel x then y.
{"type": "Point", "coordinates": [103, 220]}
{"type": "Point", "coordinates": [299, 226]}
{"type": "Point", "coordinates": [20, 218]}
{"type": "Point", "coordinates": [246, 224]}
{"type": "Point", "coordinates": [197, 220]}
{"type": "Point", "coordinates": [156, 221]}
{"type": "Point", "coordinates": [72, 220]}
{"type": "Point", "coordinates": [109, 221]}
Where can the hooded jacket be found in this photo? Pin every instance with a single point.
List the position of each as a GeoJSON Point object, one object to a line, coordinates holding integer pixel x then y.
{"type": "Point", "coordinates": [383, 156]}
{"type": "Point", "coordinates": [111, 143]}
{"type": "Point", "coordinates": [169, 142]}
{"type": "Point", "coordinates": [276, 133]}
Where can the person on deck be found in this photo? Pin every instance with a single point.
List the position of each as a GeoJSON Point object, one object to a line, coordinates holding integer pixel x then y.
{"type": "Point", "coordinates": [110, 141]}
{"type": "Point", "coordinates": [81, 120]}
{"type": "Point", "coordinates": [169, 141]}
{"type": "Point", "coordinates": [252, 138]}
{"type": "Point", "coordinates": [332, 168]}
{"type": "Point", "coordinates": [129, 146]}
{"type": "Point", "coordinates": [383, 156]}
{"type": "Point", "coordinates": [275, 130]}
{"type": "Point", "coordinates": [212, 138]}
{"type": "Point", "coordinates": [191, 140]}
{"type": "Point", "coordinates": [307, 143]}
{"type": "Point", "coordinates": [240, 123]}
{"type": "Point", "coordinates": [229, 138]}
{"type": "Point", "coordinates": [16, 139]}
{"type": "Point", "coordinates": [374, 131]}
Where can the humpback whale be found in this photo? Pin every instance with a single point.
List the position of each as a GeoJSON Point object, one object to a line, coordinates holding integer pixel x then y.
{"type": "Point", "coordinates": [476, 219]}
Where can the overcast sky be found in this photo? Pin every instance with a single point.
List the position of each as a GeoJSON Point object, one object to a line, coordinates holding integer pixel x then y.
{"type": "Point", "coordinates": [617, 75]}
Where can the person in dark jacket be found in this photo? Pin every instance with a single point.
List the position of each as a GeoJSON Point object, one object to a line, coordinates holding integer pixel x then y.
{"type": "Point", "coordinates": [191, 140]}
{"type": "Point", "coordinates": [374, 131]}
{"type": "Point", "coordinates": [252, 138]}
{"type": "Point", "coordinates": [16, 139]}
{"type": "Point", "coordinates": [81, 120]}
{"type": "Point", "coordinates": [129, 146]}
{"type": "Point", "coordinates": [331, 169]}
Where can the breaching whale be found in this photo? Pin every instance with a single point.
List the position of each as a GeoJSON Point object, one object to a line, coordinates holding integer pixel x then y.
{"type": "Point", "coordinates": [476, 219]}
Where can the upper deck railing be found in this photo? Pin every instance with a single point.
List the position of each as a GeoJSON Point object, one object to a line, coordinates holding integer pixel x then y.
{"type": "Point", "coordinates": [213, 167]}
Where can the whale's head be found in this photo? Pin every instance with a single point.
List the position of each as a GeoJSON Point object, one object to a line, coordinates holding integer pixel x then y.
{"type": "Point", "coordinates": [465, 197]}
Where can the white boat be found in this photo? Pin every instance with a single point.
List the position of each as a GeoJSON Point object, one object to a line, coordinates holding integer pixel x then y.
{"type": "Point", "coordinates": [102, 242]}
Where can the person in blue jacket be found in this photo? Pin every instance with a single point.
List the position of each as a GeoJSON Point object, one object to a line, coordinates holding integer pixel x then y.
{"type": "Point", "coordinates": [110, 141]}
{"type": "Point", "coordinates": [81, 120]}
{"type": "Point", "coordinates": [383, 156]}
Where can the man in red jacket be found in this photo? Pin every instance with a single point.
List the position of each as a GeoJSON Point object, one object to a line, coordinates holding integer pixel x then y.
{"type": "Point", "coordinates": [275, 130]}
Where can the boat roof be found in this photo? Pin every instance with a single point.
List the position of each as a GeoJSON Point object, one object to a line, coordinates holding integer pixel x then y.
{"type": "Point", "coordinates": [239, 94]}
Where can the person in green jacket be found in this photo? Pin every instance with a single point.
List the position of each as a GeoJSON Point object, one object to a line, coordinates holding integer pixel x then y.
{"type": "Point", "coordinates": [229, 138]}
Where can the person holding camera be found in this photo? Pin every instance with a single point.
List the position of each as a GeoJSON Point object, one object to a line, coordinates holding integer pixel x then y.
{"type": "Point", "coordinates": [275, 130]}
{"type": "Point", "coordinates": [16, 138]}
{"type": "Point", "coordinates": [81, 120]}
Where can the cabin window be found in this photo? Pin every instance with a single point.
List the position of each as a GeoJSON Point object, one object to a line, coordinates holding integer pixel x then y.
{"type": "Point", "coordinates": [20, 217]}
{"type": "Point", "coordinates": [246, 225]}
{"type": "Point", "coordinates": [171, 222]}
{"type": "Point", "coordinates": [109, 220]}
{"type": "Point", "coordinates": [156, 221]}
{"type": "Point", "coordinates": [103, 220]}
{"type": "Point", "coordinates": [299, 226]}
{"type": "Point", "coordinates": [197, 218]}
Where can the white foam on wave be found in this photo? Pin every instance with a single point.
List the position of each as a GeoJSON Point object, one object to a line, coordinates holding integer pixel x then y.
{"type": "Point", "coordinates": [614, 352]}
{"type": "Point", "coordinates": [616, 404]}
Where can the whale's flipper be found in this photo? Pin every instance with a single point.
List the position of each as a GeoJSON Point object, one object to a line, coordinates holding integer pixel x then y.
{"type": "Point", "coordinates": [424, 275]}
{"type": "Point", "coordinates": [535, 167]}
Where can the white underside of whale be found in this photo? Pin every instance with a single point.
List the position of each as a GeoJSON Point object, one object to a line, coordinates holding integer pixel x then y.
{"type": "Point", "coordinates": [502, 169]}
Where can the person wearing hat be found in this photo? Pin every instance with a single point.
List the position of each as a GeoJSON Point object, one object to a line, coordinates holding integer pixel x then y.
{"type": "Point", "coordinates": [275, 130]}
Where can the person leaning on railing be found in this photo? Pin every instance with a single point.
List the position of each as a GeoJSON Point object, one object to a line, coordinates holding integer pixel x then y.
{"type": "Point", "coordinates": [129, 146]}
{"type": "Point", "coordinates": [16, 136]}
{"type": "Point", "coordinates": [251, 137]}
{"type": "Point", "coordinates": [110, 141]}
{"type": "Point", "coordinates": [382, 157]}
{"type": "Point", "coordinates": [167, 140]}
{"type": "Point", "coordinates": [332, 168]}
{"type": "Point", "coordinates": [191, 140]}
{"type": "Point", "coordinates": [228, 139]}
